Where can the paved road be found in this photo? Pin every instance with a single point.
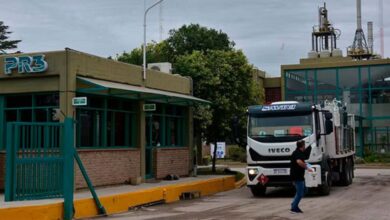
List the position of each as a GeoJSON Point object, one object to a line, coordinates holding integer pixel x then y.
{"type": "Point", "coordinates": [367, 198]}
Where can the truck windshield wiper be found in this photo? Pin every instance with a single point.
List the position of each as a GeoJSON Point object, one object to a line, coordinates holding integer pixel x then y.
{"type": "Point", "coordinates": [263, 135]}
{"type": "Point", "coordinates": [293, 135]}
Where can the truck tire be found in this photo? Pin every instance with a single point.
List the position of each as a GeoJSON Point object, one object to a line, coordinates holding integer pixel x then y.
{"type": "Point", "coordinates": [350, 172]}
{"type": "Point", "coordinates": [258, 190]}
{"type": "Point", "coordinates": [346, 174]}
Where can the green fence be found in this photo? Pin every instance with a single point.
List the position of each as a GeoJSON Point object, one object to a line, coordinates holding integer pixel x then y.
{"type": "Point", "coordinates": [35, 161]}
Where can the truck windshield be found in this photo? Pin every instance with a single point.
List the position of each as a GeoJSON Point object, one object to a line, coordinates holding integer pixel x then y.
{"type": "Point", "coordinates": [280, 128]}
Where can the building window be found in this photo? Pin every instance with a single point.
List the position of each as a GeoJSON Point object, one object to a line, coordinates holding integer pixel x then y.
{"type": "Point", "coordinates": [295, 80]}
{"type": "Point", "coordinates": [326, 79]}
{"type": "Point", "coordinates": [30, 108]}
{"type": "Point", "coordinates": [106, 122]}
{"type": "Point", "coordinates": [166, 126]}
{"type": "Point", "coordinates": [37, 107]}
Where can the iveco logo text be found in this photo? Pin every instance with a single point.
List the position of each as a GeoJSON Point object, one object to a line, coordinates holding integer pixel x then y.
{"type": "Point", "coordinates": [278, 150]}
{"type": "Point", "coordinates": [278, 107]}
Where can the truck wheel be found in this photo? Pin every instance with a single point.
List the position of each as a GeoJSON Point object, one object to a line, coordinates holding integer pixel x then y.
{"type": "Point", "coordinates": [346, 174]}
{"type": "Point", "coordinates": [258, 190]}
{"type": "Point", "coordinates": [326, 184]}
{"type": "Point", "coordinates": [350, 173]}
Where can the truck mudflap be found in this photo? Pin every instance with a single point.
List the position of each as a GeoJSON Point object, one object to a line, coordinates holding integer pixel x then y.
{"type": "Point", "coordinates": [313, 179]}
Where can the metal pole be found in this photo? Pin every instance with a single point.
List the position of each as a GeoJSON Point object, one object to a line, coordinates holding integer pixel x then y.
{"type": "Point", "coordinates": [68, 168]}
{"type": "Point", "coordinates": [144, 46]}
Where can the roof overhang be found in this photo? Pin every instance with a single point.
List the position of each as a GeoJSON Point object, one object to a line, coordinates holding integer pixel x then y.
{"type": "Point", "coordinates": [103, 87]}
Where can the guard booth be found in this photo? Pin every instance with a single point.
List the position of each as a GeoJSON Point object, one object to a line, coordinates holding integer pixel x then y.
{"type": "Point", "coordinates": [125, 128]}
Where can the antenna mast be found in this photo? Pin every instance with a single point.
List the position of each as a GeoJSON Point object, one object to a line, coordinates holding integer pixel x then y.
{"type": "Point", "coordinates": [359, 49]}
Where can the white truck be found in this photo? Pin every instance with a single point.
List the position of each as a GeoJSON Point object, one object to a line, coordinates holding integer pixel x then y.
{"type": "Point", "coordinates": [273, 131]}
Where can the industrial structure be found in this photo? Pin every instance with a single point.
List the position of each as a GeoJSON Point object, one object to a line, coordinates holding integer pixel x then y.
{"type": "Point", "coordinates": [360, 49]}
{"type": "Point", "coordinates": [324, 37]}
{"type": "Point", "coordinates": [361, 80]}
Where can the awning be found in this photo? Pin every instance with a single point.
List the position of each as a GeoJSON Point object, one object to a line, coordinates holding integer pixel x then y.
{"type": "Point", "coordinates": [97, 86]}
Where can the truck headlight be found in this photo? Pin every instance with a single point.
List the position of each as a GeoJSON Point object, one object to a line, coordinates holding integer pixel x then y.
{"type": "Point", "coordinates": [253, 171]}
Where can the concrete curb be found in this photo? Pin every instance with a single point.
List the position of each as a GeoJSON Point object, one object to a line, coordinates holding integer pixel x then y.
{"type": "Point", "coordinates": [240, 183]}
{"type": "Point", "coordinates": [85, 208]}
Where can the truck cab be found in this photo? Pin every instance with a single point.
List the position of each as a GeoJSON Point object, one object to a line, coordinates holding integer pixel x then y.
{"type": "Point", "coordinates": [273, 131]}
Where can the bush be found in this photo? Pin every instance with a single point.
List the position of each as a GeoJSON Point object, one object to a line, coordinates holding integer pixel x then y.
{"type": "Point", "coordinates": [377, 158]}
{"type": "Point", "coordinates": [237, 154]}
{"type": "Point", "coordinates": [206, 160]}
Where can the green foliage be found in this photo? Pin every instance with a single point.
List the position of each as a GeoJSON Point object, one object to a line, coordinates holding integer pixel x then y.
{"type": "Point", "coordinates": [4, 43]}
{"type": "Point", "coordinates": [220, 73]}
{"type": "Point", "coordinates": [371, 157]}
{"type": "Point", "coordinates": [377, 158]}
{"type": "Point", "coordinates": [237, 153]}
{"type": "Point", "coordinates": [180, 42]}
{"type": "Point", "coordinates": [239, 176]}
{"type": "Point", "coordinates": [225, 79]}
{"type": "Point", "coordinates": [221, 171]}
{"type": "Point", "coordinates": [206, 160]}
{"type": "Point", "coordinates": [194, 37]}
{"type": "Point", "coordinates": [155, 52]}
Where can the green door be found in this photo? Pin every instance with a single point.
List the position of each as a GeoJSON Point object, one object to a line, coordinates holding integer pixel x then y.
{"type": "Point", "coordinates": [149, 147]}
{"type": "Point", "coordinates": [153, 139]}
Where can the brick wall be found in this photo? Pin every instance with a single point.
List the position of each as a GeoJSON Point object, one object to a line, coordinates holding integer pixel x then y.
{"type": "Point", "coordinates": [171, 161]}
{"type": "Point", "coordinates": [107, 167]}
{"type": "Point", "coordinates": [273, 95]}
{"type": "Point", "coordinates": [2, 170]}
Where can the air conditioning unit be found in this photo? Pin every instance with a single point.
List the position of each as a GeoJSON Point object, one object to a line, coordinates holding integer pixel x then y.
{"type": "Point", "coordinates": [162, 67]}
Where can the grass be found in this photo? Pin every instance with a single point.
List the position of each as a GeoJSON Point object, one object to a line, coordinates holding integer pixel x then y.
{"type": "Point", "coordinates": [221, 171]}
{"type": "Point", "coordinates": [230, 163]}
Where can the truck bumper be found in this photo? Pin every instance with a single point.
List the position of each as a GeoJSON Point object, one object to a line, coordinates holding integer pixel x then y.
{"type": "Point", "coordinates": [280, 176]}
{"type": "Point", "coordinates": [268, 176]}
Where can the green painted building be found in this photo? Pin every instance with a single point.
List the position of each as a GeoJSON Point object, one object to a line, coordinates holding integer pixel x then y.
{"type": "Point", "coordinates": [127, 128]}
{"type": "Point", "coordinates": [364, 85]}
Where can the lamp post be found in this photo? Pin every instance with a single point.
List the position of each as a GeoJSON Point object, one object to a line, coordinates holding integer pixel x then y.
{"type": "Point", "coordinates": [144, 46]}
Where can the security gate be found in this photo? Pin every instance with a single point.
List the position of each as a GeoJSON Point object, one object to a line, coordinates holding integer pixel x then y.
{"type": "Point", "coordinates": [35, 161]}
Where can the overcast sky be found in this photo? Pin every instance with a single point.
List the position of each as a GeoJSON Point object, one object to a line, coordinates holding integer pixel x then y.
{"type": "Point", "coordinates": [270, 32]}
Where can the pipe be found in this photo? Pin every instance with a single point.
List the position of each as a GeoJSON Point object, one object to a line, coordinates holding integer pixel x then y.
{"type": "Point", "coordinates": [370, 37]}
{"type": "Point", "coordinates": [359, 14]}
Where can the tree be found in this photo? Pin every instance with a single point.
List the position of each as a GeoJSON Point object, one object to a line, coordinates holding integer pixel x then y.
{"type": "Point", "coordinates": [155, 52]}
{"type": "Point", "coordinates": [225, 79]}
{"type": "Point", "coordinates": [4, 43]}
{"type": "Point", "coordinates": [195, 37]}
{"type": "Point", "coordinates": [182, 41]}
{"type": "Point", "coordinates": [221, 75]}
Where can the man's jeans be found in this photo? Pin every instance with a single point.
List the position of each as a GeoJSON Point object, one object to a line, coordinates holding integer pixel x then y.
{"type": "Point", "coordinates": [300, 191]}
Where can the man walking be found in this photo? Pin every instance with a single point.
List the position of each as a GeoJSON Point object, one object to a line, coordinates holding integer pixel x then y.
{"type": "Point", "coordinates": [297, 173]}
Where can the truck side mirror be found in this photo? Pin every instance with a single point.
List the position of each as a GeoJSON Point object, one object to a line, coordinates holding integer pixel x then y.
{"type": "Point", "coordinates": [328, 115]}
{"type": "Point", "coordinates": [345, 118]}
{"type": "Point", "coordinates": [328, 126]}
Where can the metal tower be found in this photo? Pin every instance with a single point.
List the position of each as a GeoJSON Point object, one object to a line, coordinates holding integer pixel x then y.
{"type": "Point", "coordinates": [324, 37]}
{"type": "Point", "coordinates": [359, 49]}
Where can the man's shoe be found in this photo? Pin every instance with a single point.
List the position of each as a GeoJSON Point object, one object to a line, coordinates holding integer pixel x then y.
{"type": "Point", "coordinates": [294, 211]}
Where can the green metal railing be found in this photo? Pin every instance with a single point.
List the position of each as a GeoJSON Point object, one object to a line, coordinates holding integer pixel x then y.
{"type": "Point", "coordinates": [40, 163]}
{"type": "Point", "coordinates": [35, 161]}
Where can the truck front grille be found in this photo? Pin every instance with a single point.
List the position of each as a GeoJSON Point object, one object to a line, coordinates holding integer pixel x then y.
{"type": "Point", "coordinates": [257, 157]}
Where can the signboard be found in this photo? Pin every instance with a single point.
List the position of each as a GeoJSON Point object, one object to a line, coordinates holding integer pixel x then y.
{"type": "Point", "coordinates": [79, 101]}
{"type": "Point", "coordinates": [25, 64]}
{"type": "Point", "coordinates": [278, 107]}
{"type": "Point", "coordinates": [149, 107]}
{"type": "Point", "coordinates": [221, 149]}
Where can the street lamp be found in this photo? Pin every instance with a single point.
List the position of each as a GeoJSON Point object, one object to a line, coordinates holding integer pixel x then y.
{"type": "Point", "coordinates": [144, 46]}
